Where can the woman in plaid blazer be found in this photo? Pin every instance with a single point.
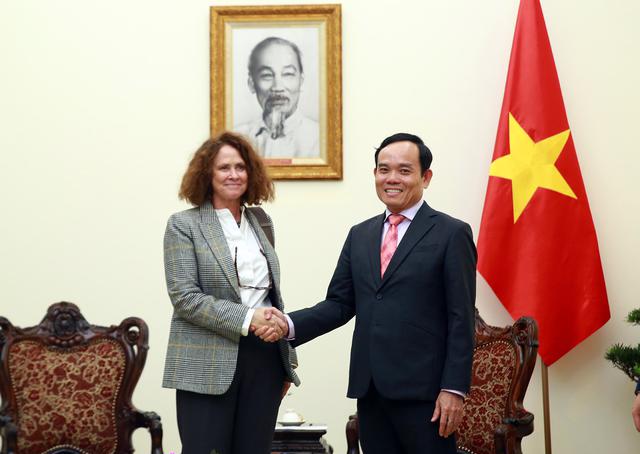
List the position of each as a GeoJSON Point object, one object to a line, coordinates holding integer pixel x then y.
{"type": "Point", "coordinates": [222, 273]}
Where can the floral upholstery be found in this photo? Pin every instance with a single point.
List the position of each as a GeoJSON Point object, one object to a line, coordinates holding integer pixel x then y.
{"type": "Point", "coordinates": [66, 397]}
{"type": "Point", "coordinates": [493, 372]}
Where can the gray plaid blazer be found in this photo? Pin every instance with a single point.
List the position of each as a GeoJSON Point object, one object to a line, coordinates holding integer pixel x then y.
{"type": "Point", "coordinates": [207, 313]}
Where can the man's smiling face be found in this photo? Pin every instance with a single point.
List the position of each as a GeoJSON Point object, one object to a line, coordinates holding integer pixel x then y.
{"type": "Point", "coordinates": [399, 179]}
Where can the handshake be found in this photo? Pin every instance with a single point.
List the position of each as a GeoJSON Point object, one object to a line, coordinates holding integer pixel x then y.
{"type": "Point", "coordinates": [269, 324]}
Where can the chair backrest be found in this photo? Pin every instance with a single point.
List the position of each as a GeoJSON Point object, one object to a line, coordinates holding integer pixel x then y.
{"type": "Point", "coordinates": [67, 385]}
{"type": "Point", "coordinates": [503, 361]}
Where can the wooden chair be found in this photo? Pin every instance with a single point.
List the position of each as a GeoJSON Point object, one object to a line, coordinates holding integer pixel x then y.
{"type": "Point", "coordinates": [494, 419]}
{"type": "Point", "coordinates": [66, 385]}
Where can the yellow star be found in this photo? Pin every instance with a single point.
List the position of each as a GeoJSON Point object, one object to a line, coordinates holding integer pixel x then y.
{"type": "Point", "coordinates": [531, 165]}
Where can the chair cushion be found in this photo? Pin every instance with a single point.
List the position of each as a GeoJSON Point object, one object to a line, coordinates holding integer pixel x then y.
{"type": "Point", "coordinates": [66, 397]}
{"type": "Point", "coordinates": [493, 374]}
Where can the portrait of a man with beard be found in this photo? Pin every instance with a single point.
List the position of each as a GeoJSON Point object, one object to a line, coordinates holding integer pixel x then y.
{"type": "Point", "coordinates": [276, 77]}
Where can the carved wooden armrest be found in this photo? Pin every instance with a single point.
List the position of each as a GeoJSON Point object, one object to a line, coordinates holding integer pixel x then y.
{"type": "Point", "coordinates": [522, 423]}
{"type": "Point", "coordinates": [151, 420]}
{"type": "Point", "coordinates": [509, 434]}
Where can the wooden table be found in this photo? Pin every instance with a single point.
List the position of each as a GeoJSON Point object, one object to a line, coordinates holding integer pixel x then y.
{"type": "Point", "coordinates": [304, 439]}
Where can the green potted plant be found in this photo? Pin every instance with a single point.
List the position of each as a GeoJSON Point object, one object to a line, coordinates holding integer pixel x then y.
{"type": "Point", "coordinates": [624, 357]}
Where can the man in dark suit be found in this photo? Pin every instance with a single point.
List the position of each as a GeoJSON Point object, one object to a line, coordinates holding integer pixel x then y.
{"type": "Point", "coordinates": [412, 345]}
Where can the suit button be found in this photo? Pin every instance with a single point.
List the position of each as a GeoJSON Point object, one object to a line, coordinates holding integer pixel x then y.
{"type": "Point", "coordinates": [378, 296]}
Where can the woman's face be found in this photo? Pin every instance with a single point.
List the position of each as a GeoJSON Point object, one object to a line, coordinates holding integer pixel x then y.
{"type": "Point", "coordinates": [229, 177]}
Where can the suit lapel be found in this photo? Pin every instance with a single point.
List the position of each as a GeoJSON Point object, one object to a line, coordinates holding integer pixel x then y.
{"type": "Point", "coordinates": [373, 238]}
{"type": "Point", "coordinates": [214, 236]}
{"type": "Point", "coordinates": [421, 224]}
{"type": "Point", "coordinates": [269, 252]}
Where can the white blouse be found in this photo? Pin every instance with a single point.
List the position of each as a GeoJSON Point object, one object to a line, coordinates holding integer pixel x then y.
{"type": "Point", "coordinates": [250, 262]}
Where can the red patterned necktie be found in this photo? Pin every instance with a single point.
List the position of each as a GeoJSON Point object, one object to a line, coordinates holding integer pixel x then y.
{"type": "Point", "coordinates": [390, 242]}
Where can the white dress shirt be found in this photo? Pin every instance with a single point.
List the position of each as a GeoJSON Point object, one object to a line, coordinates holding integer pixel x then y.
{"type": "Point", "coordinates": [408, 214]}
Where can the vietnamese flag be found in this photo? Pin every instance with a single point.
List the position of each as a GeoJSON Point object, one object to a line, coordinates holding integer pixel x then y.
{"type": "Point", "coordinates": [537, 247]}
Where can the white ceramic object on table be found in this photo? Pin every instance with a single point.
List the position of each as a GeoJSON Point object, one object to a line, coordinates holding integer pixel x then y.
{"type": "Point", "coordinates": [290, 417]}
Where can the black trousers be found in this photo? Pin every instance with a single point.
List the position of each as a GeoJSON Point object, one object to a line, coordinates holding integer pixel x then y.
{"type": "Point", "coordinates": [399, 426]}
{"type": "Point", "coordinates": [242, 420]}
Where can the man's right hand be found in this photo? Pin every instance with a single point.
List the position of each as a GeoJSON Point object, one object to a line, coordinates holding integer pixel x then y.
{"type": "Point", "coordinates": [269, 324]}
{"type": "Point", "coordinates": [449, 409]}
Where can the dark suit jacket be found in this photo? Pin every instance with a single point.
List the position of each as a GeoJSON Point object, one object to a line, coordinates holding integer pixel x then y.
{"type": "Point", "coordinates": [414, 329]}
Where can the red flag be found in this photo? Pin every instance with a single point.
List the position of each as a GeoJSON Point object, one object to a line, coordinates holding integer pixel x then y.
{"type": "Point", "coordinates": [537, 247]}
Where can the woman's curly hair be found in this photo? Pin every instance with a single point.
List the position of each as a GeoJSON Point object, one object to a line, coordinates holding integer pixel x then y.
{"type": "Point", "coordinates": [196, 183]}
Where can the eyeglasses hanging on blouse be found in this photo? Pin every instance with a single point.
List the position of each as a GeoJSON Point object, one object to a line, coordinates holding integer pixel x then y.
{"type": "Point", "coordinates": [235, 267]}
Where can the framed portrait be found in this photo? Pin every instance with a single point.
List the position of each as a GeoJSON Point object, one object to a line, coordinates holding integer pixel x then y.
{"type": "Point", "coordinates": [276, 78]}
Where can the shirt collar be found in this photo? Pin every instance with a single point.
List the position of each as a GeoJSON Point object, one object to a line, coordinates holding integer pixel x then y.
{"type": "Point", "coordinates": [227, 220]}
{"type": "Point", "coordinates": [409, 213]}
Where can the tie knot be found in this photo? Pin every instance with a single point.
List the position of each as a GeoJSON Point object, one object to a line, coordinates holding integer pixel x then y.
{"type": "Point", "coordinates": [395, 219]}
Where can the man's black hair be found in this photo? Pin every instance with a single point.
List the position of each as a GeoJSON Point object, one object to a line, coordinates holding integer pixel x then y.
{"type": "Point", "coordinates": [423, 151]}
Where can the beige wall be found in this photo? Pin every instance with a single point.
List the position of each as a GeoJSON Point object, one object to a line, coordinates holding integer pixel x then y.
{"type": "Point", "coordinates": [102, 102]}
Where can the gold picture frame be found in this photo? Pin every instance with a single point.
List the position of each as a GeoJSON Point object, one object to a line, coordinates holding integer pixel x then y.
{"type": "Point", "coordinates": [276, 77]}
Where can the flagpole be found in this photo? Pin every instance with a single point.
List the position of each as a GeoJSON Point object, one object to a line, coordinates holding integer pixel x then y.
{"type": "Point", "coordinates": [545, 407]}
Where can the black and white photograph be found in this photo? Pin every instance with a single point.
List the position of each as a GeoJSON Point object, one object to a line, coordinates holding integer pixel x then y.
{"type": "Point", "coordinates": [276, 90]}
{"type": "Point", "coordinates": [276, 79]}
